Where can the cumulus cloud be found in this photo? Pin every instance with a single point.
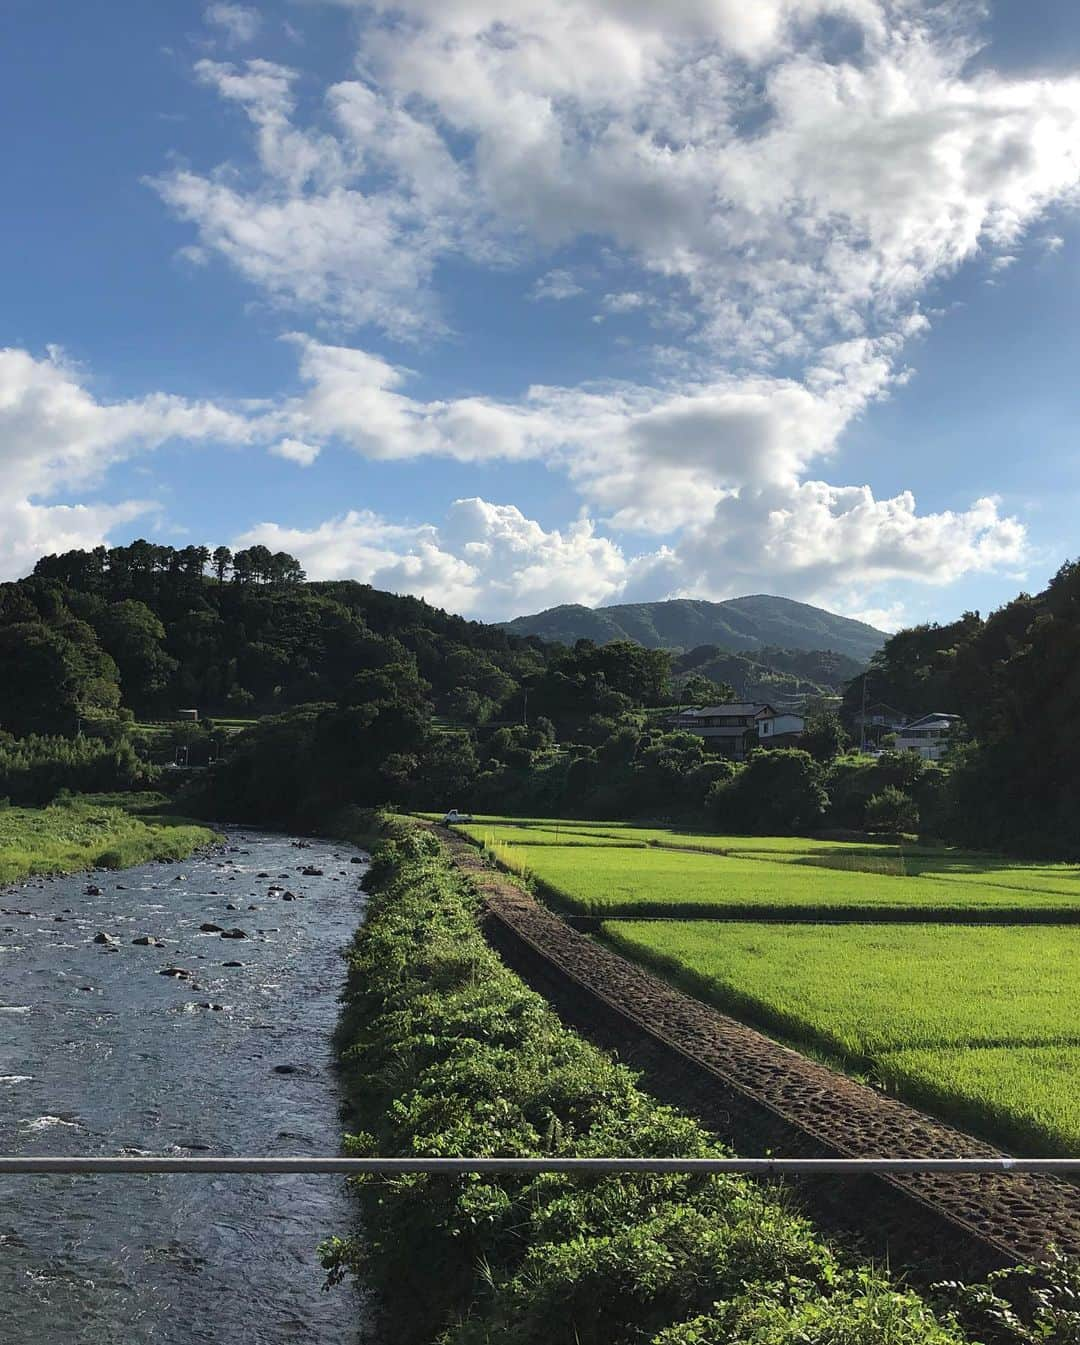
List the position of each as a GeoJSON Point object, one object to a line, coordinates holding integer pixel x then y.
{"type": "Point", "coordinates": [800, 181]}
{"type": "Point", "coordinates": [55, 436]}
{"type": "Point", "coordinates": [647, 458]}
{"type": "Point", "coordinates": [779, 182]}
{"type": "Point", "coordinates": [812, 539]}
{"type": "Point", "coordinates": [487, 560]}
{"type": "Point", "coordinates": [295, 450]}
{"type": "Point", "coordinates": [491, 561]}
{"type": "Point", "coordinates": [720, 469]}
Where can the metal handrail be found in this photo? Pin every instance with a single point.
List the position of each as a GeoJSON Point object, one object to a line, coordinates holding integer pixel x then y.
{"type": "Point", "coordinates": [851, 1167]}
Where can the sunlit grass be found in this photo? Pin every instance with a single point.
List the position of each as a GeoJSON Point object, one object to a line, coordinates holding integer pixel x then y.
{"type": "Point", "coordinates": [87, 833]}
{"type": "Point", "coordinates": [613, 880]}
{"type": "Point", "coordinates": [978, 1022]}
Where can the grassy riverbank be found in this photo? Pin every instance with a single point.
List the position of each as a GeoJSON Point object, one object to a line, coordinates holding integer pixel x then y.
{"type": "Point", "coordinates": [91, 832]}
{"type": "Point", "coordinates": [445, 1051]}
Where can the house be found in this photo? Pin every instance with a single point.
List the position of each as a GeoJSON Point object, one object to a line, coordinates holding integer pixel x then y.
{"type": "Point", "coordinates": [877, 721]}
{"type": "Point", "coordinates": [779, 728]}
{"type": "Point", "coordinates": [929, 735]}
{"type": "Point", "coordinates": [729, 729]}
{"type": "Point", "coordinates": [737, 728]}
{"type": "Point", "coordinates": [882, 716]}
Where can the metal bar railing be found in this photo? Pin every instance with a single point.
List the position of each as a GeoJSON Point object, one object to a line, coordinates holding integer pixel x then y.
{"type": "Point", "coordinates": [849, 1167]}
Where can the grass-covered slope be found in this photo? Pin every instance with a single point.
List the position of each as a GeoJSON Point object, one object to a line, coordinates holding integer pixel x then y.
{"type": "Point", "coordinates": [977, 1022]}
{"type": "Point", "coordinates": [445, 1051]}
{"type": "Point", "coordinates": [87, 833]}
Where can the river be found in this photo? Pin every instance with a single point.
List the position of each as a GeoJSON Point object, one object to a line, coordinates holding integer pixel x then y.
{"type": "Point", "coordinates": [101, 1054]}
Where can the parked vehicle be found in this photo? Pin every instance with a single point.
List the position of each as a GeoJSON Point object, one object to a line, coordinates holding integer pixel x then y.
{"type": "Point", "coordinates": [454, 816]}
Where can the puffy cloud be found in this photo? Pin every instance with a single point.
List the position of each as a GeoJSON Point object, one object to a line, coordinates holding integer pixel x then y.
{"type": "Point", "coordinates": [54, 433]}
{"type": "Point", "coordinates": [487, 560]}
{"type": "Point", "coordinates": [240, 23]}
{"type": "Point", "coordinates": [814, 540]}
{"type": "Point", "coordinates": [295, 450]}
{"type": "Point", "coordinates": [29, 531]}
{"type": "Point", "coordinates": [650, 458]}
{"type": "Point", "coordinates": [800, 180]}
{"type": "Point", "coordinates": [821, 543]}
{"type": "Point", "coordinates": [784, 179]}
{"type": "Point", "coordinates": [56, 436]}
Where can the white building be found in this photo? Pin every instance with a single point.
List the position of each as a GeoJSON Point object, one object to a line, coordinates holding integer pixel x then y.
{"type": "Point", "coordinates": [929, 736]}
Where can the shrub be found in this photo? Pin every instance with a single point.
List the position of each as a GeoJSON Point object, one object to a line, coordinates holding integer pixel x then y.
{"type": "Point", "coordinates": [892, 810]}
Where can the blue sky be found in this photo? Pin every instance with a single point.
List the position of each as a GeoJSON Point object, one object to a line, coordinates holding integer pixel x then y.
{"type": "Point", "coordinates": [519, 304]}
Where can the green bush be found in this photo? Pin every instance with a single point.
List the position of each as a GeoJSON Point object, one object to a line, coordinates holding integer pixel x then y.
{"type": "Point", "coordinates": [445, 1051]}
{"type": "Point", "coordinates": [892, 810]}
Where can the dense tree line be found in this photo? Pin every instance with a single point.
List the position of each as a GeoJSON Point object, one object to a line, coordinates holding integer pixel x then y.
{"type": "Point", "coordinates": [1014, 678]}
{"type": "Point", "coordinates": [367, 698]}
{"type": "Point", "coordinates": [152, 629]}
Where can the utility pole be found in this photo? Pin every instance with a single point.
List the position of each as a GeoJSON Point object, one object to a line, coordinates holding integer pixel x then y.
{"type": "Point", "coordinates": [862, 733]}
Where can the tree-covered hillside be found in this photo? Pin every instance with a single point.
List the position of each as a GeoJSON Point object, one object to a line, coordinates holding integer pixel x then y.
{"type": "Point", "coordinates": [1014, 678]}
{"type": "Point", "coordinates": [737, 625]}
{"type": "Point", "coordinates": [152, 629]}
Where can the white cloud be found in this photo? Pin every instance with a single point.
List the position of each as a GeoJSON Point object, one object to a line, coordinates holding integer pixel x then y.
{"type": "Point", "coordinates": [240, 23]}
{"type": "Point", "coordinates": [814, 540]}
{"type": "Point", "coordinates": [295, 450]}
{"type": "Point", "coordinates": [778, 182]}
{"type": "Point", "coordinates": [29, 531]}
{"type": "Point", "coordinates": [720, 469]}
{"type": "Point", "coordinates": [490, 561]}
{"type": "Point", "coordinates": [625, 302]}
{"type": "Point", "coordinates": [558, 284]}
{"type": "Point", "coordinates": [797, 201]}
{"type": "Point", "coordinates": [55, 436]}
{"type": "Point", "coordinates": [648, 458]}
{"type": "Point", "coordinates": [486, 560]}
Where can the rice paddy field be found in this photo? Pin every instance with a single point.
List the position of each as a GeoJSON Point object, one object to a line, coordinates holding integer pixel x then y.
{"type": "Point", "coordinates": [976, 1022]}
{"type": "Point", "coordinates": [634, 871]}
{"type": "Point", "coordinates": [948, 977]}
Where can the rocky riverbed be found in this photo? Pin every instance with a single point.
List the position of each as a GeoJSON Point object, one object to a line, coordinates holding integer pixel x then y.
{"type": "Point", "coordinates": [175, 1009]}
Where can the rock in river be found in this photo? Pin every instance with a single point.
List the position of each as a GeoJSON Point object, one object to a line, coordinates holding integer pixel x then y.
{"type": "Point", "coordinates": [105, 938]}
{"type": "Point", "coordinates": [233, 934]}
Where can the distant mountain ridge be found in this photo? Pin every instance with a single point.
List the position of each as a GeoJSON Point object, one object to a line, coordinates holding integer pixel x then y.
{"type": "Point", "coordinates": [738, 624]}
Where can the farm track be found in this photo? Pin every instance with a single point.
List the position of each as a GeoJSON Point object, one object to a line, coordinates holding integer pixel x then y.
{"type": "Point", "coordinates": [751, 1090]}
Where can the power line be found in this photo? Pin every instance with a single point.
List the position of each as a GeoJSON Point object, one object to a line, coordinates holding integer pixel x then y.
{"type": "Point", "coordinates": [847, 1167]}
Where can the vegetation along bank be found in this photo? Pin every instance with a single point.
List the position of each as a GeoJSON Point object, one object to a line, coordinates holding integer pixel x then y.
{"type": "Point", "coordinates": [90, 833]}
{"type": "Point", "coordinates": [445, 1051]}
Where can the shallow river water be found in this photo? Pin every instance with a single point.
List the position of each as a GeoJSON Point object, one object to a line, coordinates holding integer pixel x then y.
{"type": "Point", "coordinates": [101, 1054]}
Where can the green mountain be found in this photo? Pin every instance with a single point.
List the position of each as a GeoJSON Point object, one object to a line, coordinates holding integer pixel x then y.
{"type": "Point", "coordinates": [739, 625]}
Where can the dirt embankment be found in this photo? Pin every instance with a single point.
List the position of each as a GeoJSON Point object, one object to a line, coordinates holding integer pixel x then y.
{"type": "Point", "coordinates": [763, 1097]}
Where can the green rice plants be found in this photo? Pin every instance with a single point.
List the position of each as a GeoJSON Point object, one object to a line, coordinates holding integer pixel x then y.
{"type": "Point", "coordinates": [975, 1022]}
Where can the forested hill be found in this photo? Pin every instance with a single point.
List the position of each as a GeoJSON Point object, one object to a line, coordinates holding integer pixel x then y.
{"type": "Point", "coordinates": [737, 625]}
{"type": "Point", "coordinates": [149, 629]}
